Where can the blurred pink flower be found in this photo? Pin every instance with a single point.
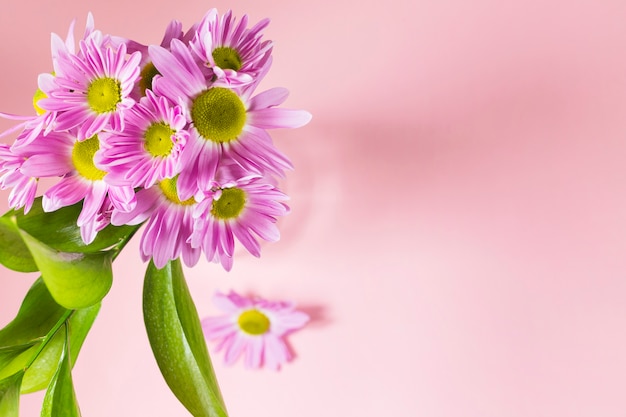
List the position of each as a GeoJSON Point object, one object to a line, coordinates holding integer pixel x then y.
{"type": "Point", "coordinates": [255, 328]}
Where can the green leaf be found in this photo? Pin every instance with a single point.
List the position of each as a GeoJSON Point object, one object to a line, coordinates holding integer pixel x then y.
{"type": "Point", "coordinates": [20, 340]}
{"type": "Point", "coordinates": [40, 373]}
{"type": "Point", "coordinates": [10, 395]}
{"type": "Point", "coordinates": [13, 252]}
{"type": "Point", "coordinates": [58, 229]}
{"type": "Point", "coordinates": [60, 399]}
{"type": "Point", "coordinates": [19, 362]}
{"type": "Point", "coordinates": [177, 341]}
{"type": "Point", "coordinates": [9, 355]}
{"type": "Point", "coordinates": [36, 316]}
{"type": "Point", "coordinates": [75, 280]}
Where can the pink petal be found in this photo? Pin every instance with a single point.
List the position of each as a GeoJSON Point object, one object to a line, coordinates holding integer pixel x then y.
{"type": "Point", "coordinates": [273, 118]}
{"type": "Point", "coordinates": [270, 98]}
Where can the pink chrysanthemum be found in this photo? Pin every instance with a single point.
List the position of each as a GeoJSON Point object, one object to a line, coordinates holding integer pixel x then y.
{"type": "Point", "coordinates": [147, 69]}
{"type": "Point", "coordinates": [223, 122]}
{"type": "Point", "coordinates": [255, 328]}
{"type": "Point", "coordinates": [61, 154]}
{"type": "Point", "coordinates": [169, 224]}
{"type": "Point", "coordinates": [92, 88]}
{"type": "Point", "coordinates": [234, 54]}
{"type": "Point", "coordinates": [241, 209]}
{"type": "Point", "coordinates": [23, 188]}
{"type": "Point", "coordinates": [32, 126]}
{"type": "Point", "coordinates": [148, 150]}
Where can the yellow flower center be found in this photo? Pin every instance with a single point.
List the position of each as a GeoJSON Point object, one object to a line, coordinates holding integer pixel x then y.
{"type": "Point", "coordinates": [227, 58]}
{"type": "Point", "coordinates": [147, 74]}
{"type": "Point", "coordinates": [253, 322]}
{"type": "Point", "coordinates": [230, 204]}
{"type": "Point", "coordinates": [158, 139]}
{"type": "Point", "coordinates": [38, 96]}
{"type": "Point", "coordinates": [169, 190]}
{"type": "Point", "coordinates": [218, 114]}
{"type": "Point", "coordinates": [103, 94]}
{"type": "Point", "coordinates": [82, 158]}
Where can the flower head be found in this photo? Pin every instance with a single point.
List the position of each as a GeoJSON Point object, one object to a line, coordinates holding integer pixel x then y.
{"type": "Point", "coordinates": [147, 69]}
{"type": "Point", "coordinates": [91, 90]}
{"type": "Point", "coordinates": [234, 54]}
{"type": "Point", "coordinates": [23, 187]}
{"type": "Point", "coordinates": [255, 328]}
{"type": "Point", "coordinates": [224, 122]}
{"type": "Point", "coordinates": [61, 154]}
{"type": "Point", "coordinates": [242, 209]}
{"type": "Point", "coordinates": [148, 149]}
{"type": "Point", "coordinates": [169, 224]}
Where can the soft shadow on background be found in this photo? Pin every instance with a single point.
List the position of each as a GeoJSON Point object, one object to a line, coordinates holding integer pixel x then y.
{"type": "Point", "coordinates": [458, 210]}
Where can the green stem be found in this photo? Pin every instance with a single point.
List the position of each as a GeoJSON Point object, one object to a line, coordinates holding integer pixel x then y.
{"type": "Point", "coordinates": [118, 248]}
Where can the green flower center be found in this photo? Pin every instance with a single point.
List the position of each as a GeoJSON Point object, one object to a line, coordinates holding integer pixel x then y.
{"type": "Point", "coordinates": [253, 322]}
{"type": "Point", "coordinates": [38, 96]}
{"type": "Point", "coordinates": [158, 139]}
{"type": "Point", "coordinates": [227, 58]}
{"type": "Point", "coordinates": [230, 203]}
{"type": "Point", "coordinates": [82, 158]}
{"type": "Point", "coordinates": [168, 187]}
{"type": "Point", "coordinates": [218, 114]}
{"type": "Point", "coordinates": [147, 74]}
{"type": "Point", "coordinates": [103, 94]}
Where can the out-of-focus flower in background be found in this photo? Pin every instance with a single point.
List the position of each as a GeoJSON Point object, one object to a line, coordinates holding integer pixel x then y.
{"type": "Point", "coordinates": [255, 328]}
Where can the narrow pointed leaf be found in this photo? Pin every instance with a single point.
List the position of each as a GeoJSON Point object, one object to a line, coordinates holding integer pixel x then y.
{"type": "Point", "coordinates": [22, 338]}
{"type": "Point", "coordinates": [75, 280]}
{"type": "Point", "coordinates": [9, 354]}
{"type": "Point", "coordinates": [10, 395]}
{"type": "Point", "coordinates": [40, 373]}
{"type": "Point", "coordinates": [19, 362]}
{"type": "Point", "coordinates": [36, 316]}
{"type": "Point", "coordinates": [58, 229]}
{"type": "Point", "coordinates": [177, 342]}
{"type": "Point", "coordinates": [60, 399]}
{"type": "Point", "coordinates": [13, 252]}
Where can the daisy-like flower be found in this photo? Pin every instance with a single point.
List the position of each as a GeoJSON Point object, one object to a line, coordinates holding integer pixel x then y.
{"type": "Point", "coordinates": [91, 90]}
{"type": "Point", "coordinates": [23, 188]}
{"type": "Point", "coordinates": [42, 122]}
{"type": "Point", "coordinates": [61, 154]}
{"type": "Point", "coordinates": [255, 328]}
{"type": "Point", "coordinates": [222, 121]}
{"type": "Point", "coordinates": [169, 224]}
{"type": "Point", "coordinates": [234, 53]}
{"type": "Point", "coordinates": [242, 209]}
{"type": "Point", "coordinates": [147, 69]}
{"type": "Point", "coordinates": [148, 150]}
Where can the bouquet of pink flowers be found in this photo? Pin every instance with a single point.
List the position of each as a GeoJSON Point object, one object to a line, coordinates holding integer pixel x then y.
{"type": "Point", "coordinates": [171, 137]}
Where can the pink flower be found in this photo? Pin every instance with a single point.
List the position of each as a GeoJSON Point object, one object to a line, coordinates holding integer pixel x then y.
{"type": "Point", "coordinates": [255, 328]}
{"type": "Point", "coordinates": [148, 71]}
{"type": "Point", "coordinates": [223, 121]}
{"type": "Point", "coordinates": [169, 224]}
{"type": "Point", "coordinates": [148, 149]}
{"type": "Point", "coordinates": [234, 54]}
{"type": "Point", "coordinates": [91, 89]}
{"type": "Point", "coordinates": [61, 154]}
{"type": "Point", "coordinates": [23, 187]}
{"type": "Point", "coordinates": [242, 209]}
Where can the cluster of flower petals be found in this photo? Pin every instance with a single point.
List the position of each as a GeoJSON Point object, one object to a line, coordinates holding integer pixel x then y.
{"type": "Point", "coordinates": [172, 135]}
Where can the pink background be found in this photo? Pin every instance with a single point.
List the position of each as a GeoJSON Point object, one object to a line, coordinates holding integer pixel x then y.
{"type": "Point", "coordinates": [459, 211]}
